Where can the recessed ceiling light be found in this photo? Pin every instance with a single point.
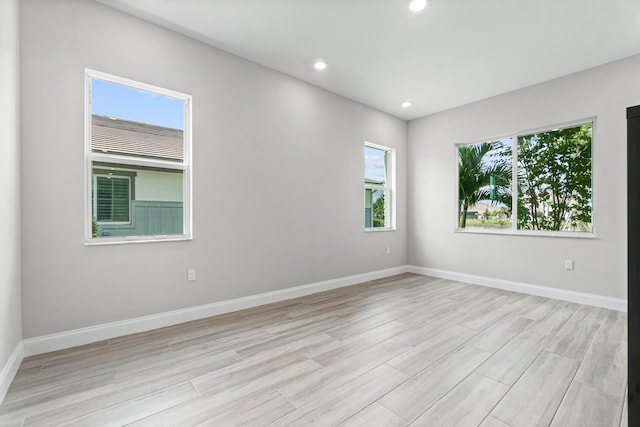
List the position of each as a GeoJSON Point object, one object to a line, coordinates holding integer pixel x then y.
{"type": "Point", "coordinates": [406, 104]}
{"type": "Point", "coordinates": [320, 64]}
{"type": "Point", "coordinates": [417, 5]}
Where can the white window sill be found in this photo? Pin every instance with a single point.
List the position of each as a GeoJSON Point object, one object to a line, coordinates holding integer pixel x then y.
{"type": "Point", "coordinates": [100, 241]}
{"type": "Point", "coordinates": [541, 233]}
{"type": "Point", "coordinates": [376, 230]}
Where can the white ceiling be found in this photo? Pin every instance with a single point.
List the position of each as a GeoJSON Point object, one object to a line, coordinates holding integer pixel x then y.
{"type": "Point", "coordinates": [380, 53]}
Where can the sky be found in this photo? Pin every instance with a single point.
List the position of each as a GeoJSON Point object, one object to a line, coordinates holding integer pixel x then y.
{"type": "Point", "coordinates": [373, 164]}
{"type": "Point", "coordinates": [114, 100]}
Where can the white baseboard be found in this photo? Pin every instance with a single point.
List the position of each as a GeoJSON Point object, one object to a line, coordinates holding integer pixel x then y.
{"type": "Point", "coordinates": [543, 291]}
{"type": "Point", "coordinates": [67, 339]}
{"type": "Point", "coordinates": [10, 369]}
{"type": "Point", "coordinates": [62, 340]}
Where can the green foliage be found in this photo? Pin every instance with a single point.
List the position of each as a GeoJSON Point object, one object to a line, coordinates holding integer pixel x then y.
{"type": "Point", "coordinates": [95, 228]}
{"type": "Point", "coordinates": [484, 174]}
{"type": "Point", "coordinates": [490, 223]}
{"type": "Point", "coordinates": [554, 180]}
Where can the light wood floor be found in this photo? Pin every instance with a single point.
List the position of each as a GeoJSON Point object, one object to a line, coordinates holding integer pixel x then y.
{"type": "Point", "coordinates": [406, 350]}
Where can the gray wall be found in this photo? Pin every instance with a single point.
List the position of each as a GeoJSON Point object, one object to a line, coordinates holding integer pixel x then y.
{"type": "Point", "coordinates": [277, 184]}
{"type": "Point", "coordinates": [600, 264]}
{"type": "Point", "coordinates": [10, 298]}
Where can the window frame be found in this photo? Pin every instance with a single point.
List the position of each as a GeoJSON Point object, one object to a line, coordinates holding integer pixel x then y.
{"type": "Point", "coordinates": [514, 231]}
{"type": "Point", "coordinates": [94, 179]}
{"type": "Point", "coordinates": [388, 188]}
{"type": "Point", "coordinates": [91, 158]}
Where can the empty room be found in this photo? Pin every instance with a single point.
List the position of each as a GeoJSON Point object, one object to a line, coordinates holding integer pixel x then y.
{"type": "Point", "coordinates": [293, 212]}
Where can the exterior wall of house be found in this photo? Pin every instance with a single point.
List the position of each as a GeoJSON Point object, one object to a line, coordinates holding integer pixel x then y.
{"type": "Point", "coordinates": [600, 263]}
{"type": "Point", "coordinates": [10, 226]}
{"type": "Point", "coordinates": [368, 208]}
{"type": "Point", "coordinates": [159, 186]}
{"type": "Point", "coordinates": [148, 218]}
{"type": "Point", "coordinates": [150, 185]}
{"type": "Point", "coordinates": [277, 175]}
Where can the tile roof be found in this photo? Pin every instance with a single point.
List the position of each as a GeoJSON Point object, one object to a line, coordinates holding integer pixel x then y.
{"type": "Point", "coordinates": [119, 136]}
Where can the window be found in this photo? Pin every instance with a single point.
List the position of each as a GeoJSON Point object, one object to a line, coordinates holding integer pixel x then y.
{"type": "Point", "coordinates": [484, 185]}
{"type": "Point", "coordinates": [138, 161]}
{"type": "Point", "coordinates": [378, 187]}
{"type": "Point", "coordinates": [533, 183]}
{"type": "Point", "coordinates": [113, 199]}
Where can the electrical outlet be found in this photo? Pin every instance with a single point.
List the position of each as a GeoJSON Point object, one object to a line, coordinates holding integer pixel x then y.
{"type": "Point", "coordinates": [191, 275]}
{"type": "Point", "coordinates": [568, 264]}
{"type": "Point", "coordinates": [388, 249]}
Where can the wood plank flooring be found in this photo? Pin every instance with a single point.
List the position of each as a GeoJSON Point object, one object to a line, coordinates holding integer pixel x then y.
{"type": "Point", "coordinates": [405, 350]}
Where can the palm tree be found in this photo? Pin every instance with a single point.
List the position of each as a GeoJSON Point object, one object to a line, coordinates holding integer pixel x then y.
{"type": "Point", "coordinates": [480, 178]}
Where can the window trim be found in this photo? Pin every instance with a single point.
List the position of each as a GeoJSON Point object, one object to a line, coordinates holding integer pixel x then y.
{"type": "Point", "coordinates": [388, 188]}
{"type": "Point", "coordinates": [90, 158]}
{"type": "Point", "coordinates": [514, 231]}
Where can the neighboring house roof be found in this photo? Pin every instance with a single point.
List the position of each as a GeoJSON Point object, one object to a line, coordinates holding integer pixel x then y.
{"type": "Point", "coordinates": [118, 136]}
{"type": "Point", "coordinates": [372, 181]}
